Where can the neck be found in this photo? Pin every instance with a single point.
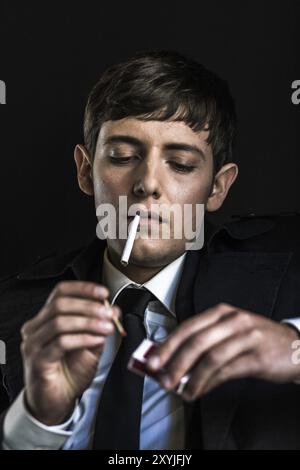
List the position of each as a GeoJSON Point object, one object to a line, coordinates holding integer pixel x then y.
{"type": "Point", "coordinates": [138, 274]}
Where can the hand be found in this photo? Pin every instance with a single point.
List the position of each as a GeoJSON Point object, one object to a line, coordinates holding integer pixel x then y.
{"type": "Point", "coordinates": [61, 348]}
{"type": "Point", "coordinates": [223, 343]}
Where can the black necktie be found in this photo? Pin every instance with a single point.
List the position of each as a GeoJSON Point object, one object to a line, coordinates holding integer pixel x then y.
{"type": "Point", "coordinates": [118, 416]}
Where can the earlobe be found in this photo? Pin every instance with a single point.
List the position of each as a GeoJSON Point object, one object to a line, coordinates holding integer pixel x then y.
{"type": "Point", "coordinates": [84, 170]}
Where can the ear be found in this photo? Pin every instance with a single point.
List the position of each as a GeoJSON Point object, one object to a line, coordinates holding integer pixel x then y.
{"type": "Point", "coordinates": [222, 183]}
{"type": "Point", "coordinates": [84, 169]}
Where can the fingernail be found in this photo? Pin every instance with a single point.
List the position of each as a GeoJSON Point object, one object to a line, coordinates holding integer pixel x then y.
{"type": "Point", "coordinates": [166, 382]}
{"type": "Point", "coordinates": [106, 326]}
{"type": "Point", "coordinates": [109, 311]}
{"type": "Point", "coordinates": [100, 291]}
{"type": "Point", "coordinates": [154, 362]}
{"type": "Point", "coordinates": [116, 311]}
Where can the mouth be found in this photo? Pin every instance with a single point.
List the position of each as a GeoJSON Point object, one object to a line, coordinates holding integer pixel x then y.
{"type": "Point", "coordinates": [147, 217]}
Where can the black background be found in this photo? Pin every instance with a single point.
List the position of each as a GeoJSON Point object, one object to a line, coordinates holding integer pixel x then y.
{"type": "Point", "coordinates": [52, 54]}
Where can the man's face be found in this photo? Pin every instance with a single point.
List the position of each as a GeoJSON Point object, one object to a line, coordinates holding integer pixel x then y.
{"type": "Point", "coordinates": [151, 162]}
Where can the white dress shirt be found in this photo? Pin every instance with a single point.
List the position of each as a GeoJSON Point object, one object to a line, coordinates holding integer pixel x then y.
{"type": "Point", "coordinates": [162, 420]}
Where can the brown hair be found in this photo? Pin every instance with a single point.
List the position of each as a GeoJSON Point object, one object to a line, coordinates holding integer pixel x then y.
{"type": "Point", "coordinates": [164, 85]}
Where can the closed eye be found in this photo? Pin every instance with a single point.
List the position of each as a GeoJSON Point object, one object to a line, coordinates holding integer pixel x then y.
{"type": "Point", "coordinates": [179, 167]}
{"type": "Point", "coordinates": [122, 160]}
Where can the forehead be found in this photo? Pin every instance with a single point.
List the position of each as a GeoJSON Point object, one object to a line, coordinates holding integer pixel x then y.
{"type": "Point", "coordinates": [154, 132]}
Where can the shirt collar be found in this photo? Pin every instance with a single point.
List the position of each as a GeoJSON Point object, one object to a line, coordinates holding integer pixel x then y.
{"type": "Point", "coordinates": [163, 285]}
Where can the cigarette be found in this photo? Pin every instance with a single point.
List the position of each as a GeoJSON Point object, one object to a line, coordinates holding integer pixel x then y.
{"type": "Point", "coordinates": [116, 321]}
{"type": "Point", "coordinates": [130, 240]}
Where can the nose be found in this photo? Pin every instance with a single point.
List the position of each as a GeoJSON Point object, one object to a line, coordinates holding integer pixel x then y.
{"type": "Point", "coordinates": [146, 179]}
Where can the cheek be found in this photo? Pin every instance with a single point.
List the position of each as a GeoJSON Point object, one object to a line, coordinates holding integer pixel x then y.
{"type": "Point", "coordinates": [192, 190]}
{"type": "Point", "coordinates": [107, 184]}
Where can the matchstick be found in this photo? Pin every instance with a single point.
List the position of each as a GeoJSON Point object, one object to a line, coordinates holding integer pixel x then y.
{"type": "Point", "coordinates": [116, 321]}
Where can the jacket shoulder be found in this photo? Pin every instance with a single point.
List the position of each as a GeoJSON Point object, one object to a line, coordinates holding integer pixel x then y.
{"type": "Point", "coordinates": [22, 291]}
{"type": "Point", "coordinates": [262, 232]}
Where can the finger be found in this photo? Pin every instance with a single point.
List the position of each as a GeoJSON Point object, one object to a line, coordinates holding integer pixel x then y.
{"type": "Point", "coordinates": [217, 359]}
{"type": "Point", "coordinates": [164, 351]}
{"type": "Point", "coordinates": [195, 347]}
{"type": "Point", "coordinates": [84, 289]}
{"type": "Point", "coordinates": [79, 289]}
{"type": "Point", "coordinates": [70, 325]}
{"type": "Point", "coordinates": [66, 343]}
{"type": "Point", "coordinates": [244, 366]}
{"type": "Point", "coordinates": [69, 306]}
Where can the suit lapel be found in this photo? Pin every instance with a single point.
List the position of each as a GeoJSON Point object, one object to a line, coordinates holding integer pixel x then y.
{"type": "Point", "coordinates": [89, 262]}
{"type": "Point", "coordinates": [184, 307]}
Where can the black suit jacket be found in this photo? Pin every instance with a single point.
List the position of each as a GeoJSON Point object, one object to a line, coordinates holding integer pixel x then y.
{"type": "Point", "coordinates": [252, 263]}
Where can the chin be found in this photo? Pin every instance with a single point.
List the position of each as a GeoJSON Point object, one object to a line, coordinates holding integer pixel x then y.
{"type": "Point", "coordinates": [155, 253]}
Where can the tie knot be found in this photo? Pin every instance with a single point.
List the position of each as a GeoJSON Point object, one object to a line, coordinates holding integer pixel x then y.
{"type": "Point", "coordinates": [134, 300]}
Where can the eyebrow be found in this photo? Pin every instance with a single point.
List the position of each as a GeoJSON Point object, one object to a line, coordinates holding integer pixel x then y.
{"type": "Point", "coordinates": [128, 139]}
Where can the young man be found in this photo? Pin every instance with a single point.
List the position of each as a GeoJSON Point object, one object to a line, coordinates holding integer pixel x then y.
{"type": "Point", "coordinates": [159, 129]}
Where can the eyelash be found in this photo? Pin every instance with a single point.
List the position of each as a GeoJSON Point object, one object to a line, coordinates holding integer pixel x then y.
{"type": "Point", "coordinates": [184, 168]}
{"type": "Point", "coordinates": [122, 160]}
{"type": "Point", "coordinates": [179, 167]}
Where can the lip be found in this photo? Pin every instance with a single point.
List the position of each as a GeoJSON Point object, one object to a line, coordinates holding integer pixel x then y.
{"type": "Point", "coordinates": [149, 220]}
{"type": "Point", "coordinates": [147, 217]}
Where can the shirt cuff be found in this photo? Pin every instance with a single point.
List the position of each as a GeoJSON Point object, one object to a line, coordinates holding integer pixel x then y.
{"type": "Point", "coordinates": [22, 431]}
{"type": "Point", "coordinates": [295, 322]}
